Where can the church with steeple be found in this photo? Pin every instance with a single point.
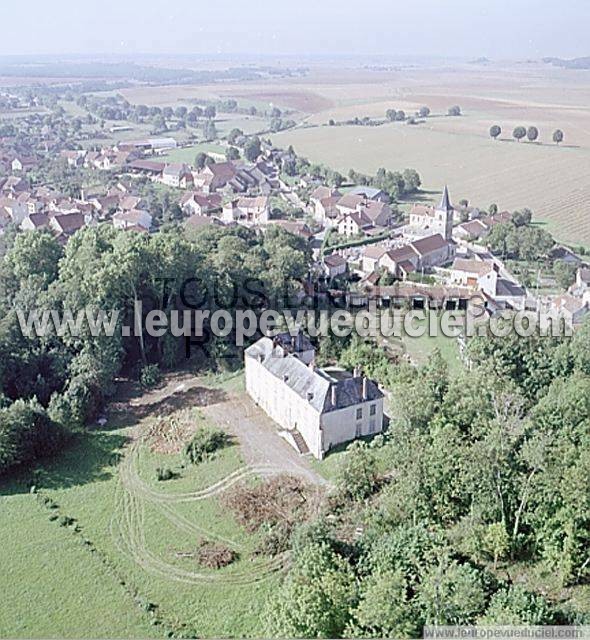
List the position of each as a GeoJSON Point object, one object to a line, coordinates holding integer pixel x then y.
{"type": "Point", "coordinates": [428, 220]}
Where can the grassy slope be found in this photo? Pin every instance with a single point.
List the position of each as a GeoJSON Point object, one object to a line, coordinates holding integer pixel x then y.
{"type": "Point", "coordinates": [421, 347]}
{"type": "Point", "coordinates": [52, 587]}
{"type": "Point", "coordinates": [84, 482]}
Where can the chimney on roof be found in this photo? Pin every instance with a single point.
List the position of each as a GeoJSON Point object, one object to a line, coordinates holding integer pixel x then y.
{"type": "Point", "coordinates": [333, 396]}
{"type": "Point", "coordinates": [285, 378]}
{"type": "Point", "coordinates": [365, 388]}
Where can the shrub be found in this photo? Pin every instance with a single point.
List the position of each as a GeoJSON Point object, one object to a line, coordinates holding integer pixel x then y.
{"type": "Point", "coordinates": [164, 473]}
{"type": "Point", "coordinates": [205, 442]}
{"type": "Point", "coordinates": [149, 376]}
{"type": "Point", "coordinates": [358, 474]}
{"type": "Point", "coordinates": [66, 521]}
{"type": "Point", "coordinates": [26, 434]}
{"type": "Point", "coordinates": [275, 539]}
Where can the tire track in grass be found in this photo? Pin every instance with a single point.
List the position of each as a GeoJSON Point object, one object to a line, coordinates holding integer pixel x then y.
{"type": "Point", "coordinates": [128, 523]}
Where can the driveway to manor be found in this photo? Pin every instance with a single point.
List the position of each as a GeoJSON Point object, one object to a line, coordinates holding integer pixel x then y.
{"type": "Point", "coordinates": [233, 411]}
{"type": "Point", "coordinates": [257, 434]}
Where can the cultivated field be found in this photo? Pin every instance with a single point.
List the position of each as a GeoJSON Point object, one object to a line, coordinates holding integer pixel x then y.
{"type": "Point", "coordinates": [552, 181]}
{"type": "Point", "coordinates": [457, 150]}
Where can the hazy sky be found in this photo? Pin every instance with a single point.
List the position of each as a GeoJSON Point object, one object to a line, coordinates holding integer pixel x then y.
{"type": "Point", "coordinates": [493, 28]}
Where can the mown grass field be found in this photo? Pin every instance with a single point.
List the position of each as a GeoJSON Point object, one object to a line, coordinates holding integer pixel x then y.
{"type": "Point", "coordinates": [188, 154]}
{"type": "Point", "coordinates": [420, 348]}
{"type": "Point", "coordinates": [54, 586]}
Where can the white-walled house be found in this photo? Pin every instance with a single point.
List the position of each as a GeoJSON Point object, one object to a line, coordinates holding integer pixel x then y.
{"type": "Point", "coordinates": [131, 219]}
{"type": "Point", "coordinates": [334, 265]}
{"type": "Point", "coordinates": [316, 409]}
{"type": "Point", "coordinates": [479, 274]}
{"type": "Point", "coordinates": [247, 210]}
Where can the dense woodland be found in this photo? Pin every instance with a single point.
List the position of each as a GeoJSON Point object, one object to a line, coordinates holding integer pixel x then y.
{"type": "Point", "coordinates": [473, 508]}
{"type": "Point", "coordinates": [53, 384]}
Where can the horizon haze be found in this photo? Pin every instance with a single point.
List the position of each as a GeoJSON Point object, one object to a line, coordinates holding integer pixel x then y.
{"type": "Point", "coordinates": [454, 29]}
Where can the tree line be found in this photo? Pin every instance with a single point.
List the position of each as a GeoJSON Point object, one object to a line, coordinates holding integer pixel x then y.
{"type": "Point", "coordinates": [520, 132]}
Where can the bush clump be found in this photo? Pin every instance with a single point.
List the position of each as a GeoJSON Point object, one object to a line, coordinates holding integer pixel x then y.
{"type": "Point", "coordinates": [205, 442]}
{"type": "Point", "coordinates": [149, 376]}
{"type": "Point", "coordinates": [164, 473]}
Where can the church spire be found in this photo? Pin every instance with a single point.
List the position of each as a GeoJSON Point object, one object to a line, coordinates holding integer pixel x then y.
{"type": "Point", "coordinates": [445, 201]}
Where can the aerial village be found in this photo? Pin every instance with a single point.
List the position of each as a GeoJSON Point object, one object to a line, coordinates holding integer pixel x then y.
{"type": "Point", "coordinates": [437, 251]}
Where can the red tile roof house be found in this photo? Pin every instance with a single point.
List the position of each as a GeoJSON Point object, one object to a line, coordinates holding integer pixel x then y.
{"type": "Point", "coordinates": [323, 200]}
{"type": "Point", "coordinates": [433, 251]}
{"type": "Point", "coordinates": [200, 204]}
{"type": "Point", "coordinates": [296, 227]}
{"type": "Point", "coordinates": [214, 176]}
{"type": "Point", "coordinates": [574, 310]}
{"type": "Point", "coordinates": [35, 221]}
{"type": "Point", "coordinates": [197, 222]}
{"type": "Point", "coordinates": [17, 210]}
{"type": "Point", "coordinates": [353, 223]}
{"type": "Point", "coordinates": [400, 262]}
{"type": "Point", "coordinates": [349, 203]}
{"type": "Point", "coordinates": [23, 163]}
{"type": "Point", "coordinates": [326, 212]}
{"type": "Point", "coordinates": [472, 230]}
{"type": "Point", "coordinates": [370, 257]}
{"type": "Point", "coordinates": [105, 204]}
{"type": "Point", "coordinates": [334, 265]}
{"type": "Point", "coordinates": [425, 253]}
{"type": "Point", "coordinates": [378, 212]}
{"type": "Point", "coordinates": [127, 203]}
{"type": "Point", "coordinates": [479, 274]}
{"type": "Point", "coordinates": [133, 218]}
{"type": "Point", "coordinates": [247, 210]}
{"type": "Point", "coordinates": [65, 225]}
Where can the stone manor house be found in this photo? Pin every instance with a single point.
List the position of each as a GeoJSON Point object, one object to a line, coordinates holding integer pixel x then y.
{"type": "Point", "coordinates": [316, 409]}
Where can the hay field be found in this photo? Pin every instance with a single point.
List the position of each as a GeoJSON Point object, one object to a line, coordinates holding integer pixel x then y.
{"type": "Point", "coordinates": [551, 180]}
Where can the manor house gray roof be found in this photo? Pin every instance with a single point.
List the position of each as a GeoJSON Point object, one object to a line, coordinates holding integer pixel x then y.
{"type": "Point", "coordinates": [312, 384]}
